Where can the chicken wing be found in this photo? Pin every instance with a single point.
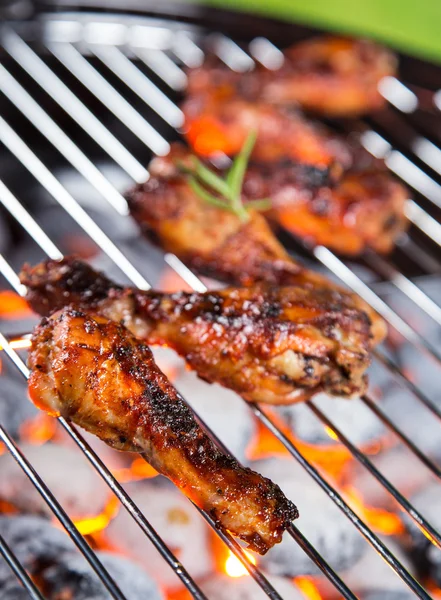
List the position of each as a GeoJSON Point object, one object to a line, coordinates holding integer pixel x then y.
{"type": "Point", "coordinates": [324, 189]}
{"type": "Point", "coordinates": [329, 75]}
{"type": "Point", "coordinates": [93, 371]}
{"type": "Point", "coordinates": [216, 243]}
{"type": "Point", "coordinates": [277, 346]}
{"type": "Point", "coordinates": [365, 209]}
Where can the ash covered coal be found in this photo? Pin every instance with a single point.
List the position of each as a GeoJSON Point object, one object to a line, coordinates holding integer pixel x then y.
{"type": "Point", "coordinates": [417, 422]}
{"type": "Point", "coordinates": [221, 587]}
{"type": "Point", "coordinates": [15, 407]}
{"type": "Point", "coordinates": [177, 522]}
{"type": "Point", "coordinates": [352, 417]}
{"type": "Point", "coordinates": [60, 571]}
{"type": "Point", "coordinates": [386, 595]}
{"type": "Point", "coordinates": [72, 577]}
{"type": "Point", "coordinates": [34, 541]}
{"type": "Point", "coordinates": [402, 468]}
{"type": "Point", "coordinates": [371, 576]}
{"type": "Point", "coordinates": [427, 555]}
{"type": "Point", "coordinates": [67, 473]}
{"type": "Point", "coordinates": [325, 526]}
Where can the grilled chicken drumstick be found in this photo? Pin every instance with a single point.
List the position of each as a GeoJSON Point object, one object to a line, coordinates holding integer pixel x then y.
{"type": "Point", "coordinates": [327, 75]}
{"type": "Point", "coordinates": [216, 243]}
{"type": "Point", "coordinates": [277, 346]}
{"type": "Point", "coordinates": [93, 371]}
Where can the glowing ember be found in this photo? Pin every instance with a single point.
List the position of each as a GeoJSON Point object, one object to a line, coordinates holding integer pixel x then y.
{"type": "Point", "coordinates": [13, 306]}
{"type": "Point", "coordinates": [95, 524]}
{"type": "Point", "coordinates": [38, 430]}
{"type": "Point", "coordinates": [233, 566]}
{"type": "Point", "coordinates": [380, 520]}
{"type": "Point", "coordinates": [331, 433]}
{"type": "Point", "coordinates": [139, 469]}
{"type": "Point", "coordinates": [307, 587]}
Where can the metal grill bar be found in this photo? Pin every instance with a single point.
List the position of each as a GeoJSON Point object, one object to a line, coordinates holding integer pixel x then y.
{"type": "Point", "coordinates": [19, 571]}
{"type": "Point", "coordinates": [370, 536]}
{"type": "Point", "coordinates": [38, 117]}
{"type": "Point", "coordinates": [124, 68]}
{"type": "Point", "coordinates": [55, 506]}
{"type": "Point", "coordinates": [334, 264]}
{"type": "Point", "coordinates": [75, 62]}
{"type": "Point", "coordinates": [430, 227]}
{"type": "Point", "coordinates": [16, 145]}
{"type": "Point", "coordinates": [362, 458]}
{"type": "Point", "coordinates": [402, 436]}
{"type": "Point", "coordinates": [46, 78]}
{"type": "Point", "coordinates": [407, 383]}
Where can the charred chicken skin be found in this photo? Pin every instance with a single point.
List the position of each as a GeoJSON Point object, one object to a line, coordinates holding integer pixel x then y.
{"type": "Point", "coordinates": [277, 346]}
{"type": "Point", "coordinates": [93, 371]}
{"type": "Point", "coordinates": [328, 75]}
{"type": "Point", "coordinates": [216, 243]}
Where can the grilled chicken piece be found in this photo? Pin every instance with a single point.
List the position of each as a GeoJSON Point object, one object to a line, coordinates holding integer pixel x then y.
{"type": "Point", "coordinates": [277, 346]}
{"type": "Point", "coordinates": [216, 243]}
{"type": "Point", "coordinates": [221, 125]}
{"type": "Point", "coordinates": [328, 75]}
{"type": "Point", "coordinates": [324, 189]}
{"type": "Point", "coordinates": [93, 371]}
{"type": "Point", "coordinates": [365, 209]}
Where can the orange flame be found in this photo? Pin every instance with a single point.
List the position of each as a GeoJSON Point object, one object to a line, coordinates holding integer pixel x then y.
{"type": "Point", "coordinates": [139, 469]}
{"type": "Point", "coordinates": [93, 525]}
{"type": "Point", "coordinates": [307, 587]}
{"type": "Point", "coordinates": [13, 306]}
{"type": "Point", "coordinates": [331, 458]}
{"type": "Point", "coordinates": [234, 567]}
{"type": "Point", "coordinates": [380, 520]}
{"type": "Point", "coordinates": [38, 430]}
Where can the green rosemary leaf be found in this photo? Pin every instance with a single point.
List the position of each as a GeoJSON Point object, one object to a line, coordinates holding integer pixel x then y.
{"type": "Point", "coordinates": [237, 170]}
{"type": "Point", "coordinates": [200, 191]}
{"type": "Point", "coordinates": [210, 178]}
{"type": "Point", "coordinates": [263, 204]}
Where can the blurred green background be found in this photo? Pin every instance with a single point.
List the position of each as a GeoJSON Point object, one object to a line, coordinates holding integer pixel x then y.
{"type": "Point", "coordinates": [410, 25]}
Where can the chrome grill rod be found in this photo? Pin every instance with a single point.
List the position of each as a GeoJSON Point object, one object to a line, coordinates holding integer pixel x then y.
{"type": "Point", "coordinates": [19, 571]}
{"type": "Point", "coordinates": [34, 66]}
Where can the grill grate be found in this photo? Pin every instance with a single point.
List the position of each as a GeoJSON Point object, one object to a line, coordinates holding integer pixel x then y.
{"type": "Point", "coordinates": [118, 46]}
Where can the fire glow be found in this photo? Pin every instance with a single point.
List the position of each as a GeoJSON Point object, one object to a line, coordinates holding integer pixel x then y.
{"type": "Point", "coordinates": [96, 524]}
{"type": "Point", "coordinates": [379, 519]}
{"type": "Point", "coordinates": [307, 587]}
{"type": "Point", "coordinates": [233, 566]}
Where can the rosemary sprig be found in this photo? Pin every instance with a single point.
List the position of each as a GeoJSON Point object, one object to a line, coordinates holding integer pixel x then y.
{"type": "Point", "coordinates": [225, 192]}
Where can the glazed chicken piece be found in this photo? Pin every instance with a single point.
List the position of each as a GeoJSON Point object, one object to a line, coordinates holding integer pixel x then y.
{"type": "Point", "coordinates": [323, 189]}
{"type": "Point", "coordinates": [365, 209]}
{"type": "Point", "coordinates": [276, 346]}
{"type": "Point", "coordinates": [328, 75]}
{"type": "Point", "coordinates": [93, 371]}
{"type": "Point", "coordinates": [216, 243]}
{"type": "Point", "coordinates": [222, 125]}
